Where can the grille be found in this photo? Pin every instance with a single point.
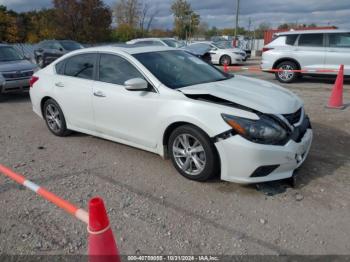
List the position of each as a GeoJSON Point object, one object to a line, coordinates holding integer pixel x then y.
{"type": "Point", "coordinates": [17, 74]}
{"type": "Point", "coordinates": [294, 118]}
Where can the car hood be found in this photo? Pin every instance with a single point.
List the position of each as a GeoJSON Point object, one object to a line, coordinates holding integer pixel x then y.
{"type": "Point", "coordinates": [20, 65]}
{"type": "Point", "coordinates": [197, 50]}
{"type": "Point", "coordinates": [256, 94]}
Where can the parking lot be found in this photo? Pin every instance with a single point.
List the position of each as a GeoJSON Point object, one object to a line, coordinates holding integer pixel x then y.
{"type": "Point", "coordinates": [154, 210]}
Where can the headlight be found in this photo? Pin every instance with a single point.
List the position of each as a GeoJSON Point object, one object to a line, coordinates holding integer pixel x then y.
{"type": "Point", "coordinates": [262, 131]}
{"type": "Point", "coordinates": [237, 53]}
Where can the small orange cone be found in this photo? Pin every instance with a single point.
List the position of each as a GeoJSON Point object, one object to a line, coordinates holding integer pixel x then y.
{"type": "Point", "coordinates": [225, 68]}
{"type": "Point", "coordinates": [102, 246]}
{"type": "Point", "coordinates": [336, 99]}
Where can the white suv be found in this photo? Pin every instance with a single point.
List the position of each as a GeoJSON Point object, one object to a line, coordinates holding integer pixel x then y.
{"type": "Point", "coordinates": [307, 50]}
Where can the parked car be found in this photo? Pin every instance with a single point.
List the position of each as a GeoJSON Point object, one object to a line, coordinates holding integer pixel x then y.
{"type": "Point", "coordinates": [208, 122]}
{"type": "Point", "coordinates": [221, 55]}
{"type": "Point", "coordinates": [229, 45]}
{"type": "Point", "coordinates": [202, 52]}
{"type": "Point", "coordinates": [313, 50]}
{"type": "Point", "coordinates": [15, 70]}
{"type": "Point", "coordinates": [170, 42]}
{"type": "Point", "coordinates": [49, 50]}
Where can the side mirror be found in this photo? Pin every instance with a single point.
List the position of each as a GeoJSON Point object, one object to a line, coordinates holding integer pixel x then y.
{"type": "Point", "coordinates": [136, 84]}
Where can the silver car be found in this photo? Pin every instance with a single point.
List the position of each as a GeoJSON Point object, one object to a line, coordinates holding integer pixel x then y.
{"type": "Point", "coordinates": [162, 41]}
{"type": "Point", "coordinates": [15, 71]}
{"type": "Point", "coordinates": [314, 51]}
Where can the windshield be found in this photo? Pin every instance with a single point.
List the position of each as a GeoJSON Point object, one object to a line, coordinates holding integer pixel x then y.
{"type": "Point", "coordinates": [173, 43]}
{"type": "Point", "coordinates": [177, 69]}
{"type": "Point", "coordinates": [223, 45]}
{"type": "Point", "coordinates": [71, 45]}
{"type": "Point", "coordinates": [8, 53]}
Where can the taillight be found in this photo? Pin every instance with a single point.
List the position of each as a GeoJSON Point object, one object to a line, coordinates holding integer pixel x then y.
{"type": "Point", "coordinates": [33, 80]}
{"type": "Point", "coordinates": [265, 49]}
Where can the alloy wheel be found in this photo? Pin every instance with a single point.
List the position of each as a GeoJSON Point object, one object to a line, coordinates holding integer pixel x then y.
{"type": "Point", "coordinates": [53, 118]}
{"type": "Point", "coordinates": [287, 74]}
{"type": "Point", "coordinates": [189, 154]}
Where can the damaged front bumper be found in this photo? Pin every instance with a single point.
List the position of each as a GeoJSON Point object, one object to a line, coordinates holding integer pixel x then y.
{"type": "Point", "coordinates": [245, 162]}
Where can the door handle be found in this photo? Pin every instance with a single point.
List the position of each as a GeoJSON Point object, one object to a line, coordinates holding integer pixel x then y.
{"type": "Point", "coordinates": [59, 84]}
{"type": "Point", "coordinates": [99, 94]}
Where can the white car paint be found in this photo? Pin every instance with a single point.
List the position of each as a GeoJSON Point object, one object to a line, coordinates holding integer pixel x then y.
{"type": "Point", "coordinates": [169, 42]}
{"type": "Point", "coordinates": [140, 119]}
{"type": "Point", "coordinates": [310, 57]}
{"type": "Point", "coordinates": [236, 55]}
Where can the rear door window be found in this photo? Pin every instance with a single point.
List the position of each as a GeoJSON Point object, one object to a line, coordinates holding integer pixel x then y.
{"type": "Point", "coordinates": [60, 67]}
{"type": "Point", "coordinates": [341, 40]}
{"type": "Point", "coordinates": [291, 39]}
{"type": "Point", "coordinates": [312, 40]}
{"type": "Point", "coordinates": [81, 66]}
{"type": "Point", "coordinates": [279, 41]}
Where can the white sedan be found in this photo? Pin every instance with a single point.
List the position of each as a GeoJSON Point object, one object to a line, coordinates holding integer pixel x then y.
{"type": "Point", "coordinates": [171, 103]}
{"type": "Point", "coordinates": [221, 54]}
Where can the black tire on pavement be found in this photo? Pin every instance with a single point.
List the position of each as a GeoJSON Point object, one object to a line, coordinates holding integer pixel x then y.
{"type": "Point", "coordinates": [55, 119]}
{"type": "Point", "coordinates": [212, 161]}
{"type": "Point", "coordinates": [287, 77]}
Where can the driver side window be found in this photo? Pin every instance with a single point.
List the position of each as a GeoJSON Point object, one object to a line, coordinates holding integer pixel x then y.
{"type": "Point", "coordinates": [116, 70]}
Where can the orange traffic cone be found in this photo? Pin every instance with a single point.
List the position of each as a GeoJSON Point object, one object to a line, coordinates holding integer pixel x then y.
{"type": "Point", "coordinates": [225, 68]}
{"type": "Point", "coordinates": [102, 246]}
{"type": "Point", "coordinates": [336, 99]}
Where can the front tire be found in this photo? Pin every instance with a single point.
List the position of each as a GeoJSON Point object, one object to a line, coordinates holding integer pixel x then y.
{"type": "Point", "coordinates": [55, 119]}
{"type": "Point", "coordinates": [193, 154]}
{"type": "Point", "coordinates": [287, 76]}
{"type": "Point", "coordinates": [225, 60]}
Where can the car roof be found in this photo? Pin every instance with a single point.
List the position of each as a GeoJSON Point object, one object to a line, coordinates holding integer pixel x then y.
{"type": "Point", "coordinates": [298, 32]}
{"type": "Point", "coordinates": [130, 49]}
{"type": "Point", "coordinates": [152, 38]}
{"type": "Point", "coordinates": [202, 42]}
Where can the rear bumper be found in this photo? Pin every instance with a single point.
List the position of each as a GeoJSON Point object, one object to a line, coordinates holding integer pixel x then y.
{"type": "Point", "coordinates": [240, 158]}
{"type": "Point", "coordinates": [15, 86]}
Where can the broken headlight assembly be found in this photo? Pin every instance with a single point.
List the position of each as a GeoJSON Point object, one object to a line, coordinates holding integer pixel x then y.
{"type": "Point", "coordinates": [266, 130]}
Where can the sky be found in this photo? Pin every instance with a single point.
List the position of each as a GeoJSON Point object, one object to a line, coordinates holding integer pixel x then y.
{"type": "Point", "coordinates": [221, 13]}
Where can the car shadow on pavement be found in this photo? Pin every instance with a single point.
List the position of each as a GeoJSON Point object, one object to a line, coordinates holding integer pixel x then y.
{"type": "Point", "coordinates": [329, 152]}
{"type": "Point", "coordinates": [320, 80]}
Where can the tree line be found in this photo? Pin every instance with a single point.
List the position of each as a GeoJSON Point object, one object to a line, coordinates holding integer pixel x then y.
{"type": "Point", "coordinates": [92, 21]}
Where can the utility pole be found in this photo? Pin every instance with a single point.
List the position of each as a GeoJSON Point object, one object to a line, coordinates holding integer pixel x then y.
{"type": "Point", "coordinates": [237, 14]}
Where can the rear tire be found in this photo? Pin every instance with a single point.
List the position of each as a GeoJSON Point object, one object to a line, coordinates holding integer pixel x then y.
{"type": "Point", "coordinates": [55, 119]}
{"type": "Point", "coordinates": [193, 154]}
{"type": "Point", "coordinates": [287, 77]}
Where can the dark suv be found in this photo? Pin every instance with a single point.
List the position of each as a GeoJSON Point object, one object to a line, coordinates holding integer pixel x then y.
{"type": "Point", "coordinates": [49, 50]}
